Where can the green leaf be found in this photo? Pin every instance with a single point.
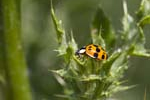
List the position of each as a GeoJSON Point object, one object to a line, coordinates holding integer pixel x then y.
{"type": "Point", "coordinates": [115, 89]}
{"type": "Point", "coordinates": [119, 62]}
{"type": "Point", "coordinates": [138, 46]}
{"type": "Point", "coordinates": [102, 29]}
{"type": "Point", "coordinates": [129, 26]}
{"type": "Point", "coordinates": [144, 9]}
{"type": "Point", "coordinates": [108, 64]}
{"type": "Point", "coordinates": [144, 21]}
{"type": "Point", "coordinates": [61, 36]}
{"type": "Point", "coordinates": [58, 27]}
{"type": "Point", "coordinates": [91, 78]}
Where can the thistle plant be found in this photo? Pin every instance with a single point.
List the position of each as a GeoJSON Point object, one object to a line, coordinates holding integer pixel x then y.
{"type": "Point", "coordinates": [90, 79]}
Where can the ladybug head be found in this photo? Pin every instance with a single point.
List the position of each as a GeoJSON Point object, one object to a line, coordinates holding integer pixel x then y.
{"type": "Point", "coordinates": [80, 51]}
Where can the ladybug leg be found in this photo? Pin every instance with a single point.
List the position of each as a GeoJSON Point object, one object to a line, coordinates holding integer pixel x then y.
{"type": "Point", "coordinates": [79, 58]}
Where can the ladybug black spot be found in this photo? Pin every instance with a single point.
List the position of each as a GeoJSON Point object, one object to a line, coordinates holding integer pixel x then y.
{"type": "Point", "coordinates": [95, 55]}
{"type": "Point", "coordinates": [95, 45]}
{"type": "Point", "coordinates": [90, 47]}
{"type": "Point", "coordinates": [97, 50]}
{"type": "Point", "coordinates": [103, 56]}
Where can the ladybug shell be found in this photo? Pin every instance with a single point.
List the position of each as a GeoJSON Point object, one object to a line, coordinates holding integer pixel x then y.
{"type": "Point", "coordinates": [96, 52]}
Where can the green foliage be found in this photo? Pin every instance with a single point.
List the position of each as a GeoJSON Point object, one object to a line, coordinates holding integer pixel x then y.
{"type": "Point", "coordinates": [101, 30]}
{"type": "Point", "coordinates": [89, 79]}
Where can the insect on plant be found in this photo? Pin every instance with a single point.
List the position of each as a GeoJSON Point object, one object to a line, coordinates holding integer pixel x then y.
{"type": "Point", "coordinates": [93, 51]}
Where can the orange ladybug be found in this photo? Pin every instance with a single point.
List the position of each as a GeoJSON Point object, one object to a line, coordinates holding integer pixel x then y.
{"type": "Point", "coordinates": [93, 51]}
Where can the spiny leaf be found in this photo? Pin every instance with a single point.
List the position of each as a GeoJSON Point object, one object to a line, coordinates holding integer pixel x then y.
{"type": "Point", "coordinates": [119, 64]}
{"type": "Point", "coordinates": [129, 26]}
{"type": "Point", "coordinates": [91, 78]}
{"type": "Point", "coordinates": [101, 27]}
{"type": "Point", "coordinates": [57, 25]}
{"type": "Point", "coordinates": [144, 9]}
{"type": "Point", "coordinates": [144, 21]}
{"type": "Point", "coordinates": [108, 64]}
{"type": "Point", "coordinates": [138, 46]}
{"type": "Point", "coordinates": [115, 89]}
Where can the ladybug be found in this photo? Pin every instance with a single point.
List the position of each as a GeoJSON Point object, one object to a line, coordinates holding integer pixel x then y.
{"type": "Point", "coordinates": [93, 51]}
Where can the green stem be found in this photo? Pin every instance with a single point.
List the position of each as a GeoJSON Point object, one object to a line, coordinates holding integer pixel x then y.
{"type": "Point", "coordinates": [14, 60]}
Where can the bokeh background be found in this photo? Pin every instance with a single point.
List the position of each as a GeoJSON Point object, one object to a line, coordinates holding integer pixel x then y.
{"type": "Point", "coordinates": [39, 41]}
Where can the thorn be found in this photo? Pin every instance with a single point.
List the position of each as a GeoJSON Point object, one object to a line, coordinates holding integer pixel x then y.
{"type": "Point", "coordinates": [125, 7]}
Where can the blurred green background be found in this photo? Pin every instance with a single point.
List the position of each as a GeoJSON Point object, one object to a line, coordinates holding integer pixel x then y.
{"type": "Point", "coordinates": [39, 40]}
